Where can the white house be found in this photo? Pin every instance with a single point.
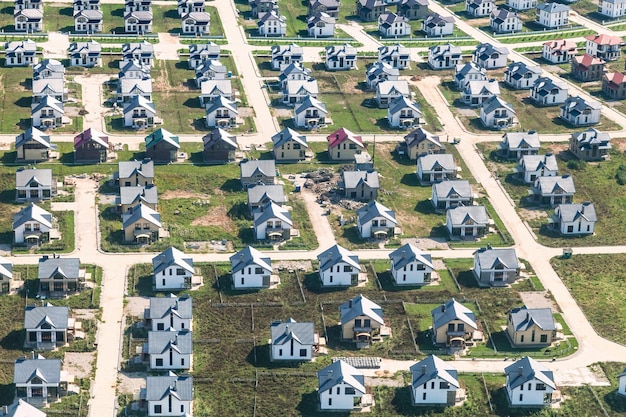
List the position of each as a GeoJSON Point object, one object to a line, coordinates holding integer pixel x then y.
{"type": "Point", "coordinates": [410, 266]}
{"type": "Point", "coordinates": [554, 190]}
{"type": "Point", "coordinates": [575, 219]}
{"type": "Point", "coordinates": [549, 92]}
{"type": "Point", "coordinates": [387, 91]}
{"type": "Point", "coordinates": [437, 25]}
{"type": "Point", "coordinates": [391, 25]}
{"type": "Point", "coordinates": [86, 5]}
{"type": "Point", "coordinates": [20, 53]}
{"type": "Point", "coordinates": [212, 89]}
{"type": "Point", "coordinates": [580, 112]}
{"type": "Point", "coordinates": [404, 113]}
{"type": "Point", "coordinates": [559, 51]}
{"type": "Point", "coordinates": [138, 22]}
{"type": "Point", "coordinates": [464, 73]}
{"type": "Point", "coordinates": [139, 113]}
{"type": "Point", "coordinates": [310, 113]}
{"type": "Point", "coordinates": [28, 20]}
{"type": "Point", "coordinates": [532, 167]}
{"type": "Point", "coordinates": [168, 392]}
{"type": "Point", "coordinates": [380, 71]}
{"type": "Point", "coordinates": [172, 270]}
{"type": "Point", "coordinates": [444, 56]}
{"type": "Point", "coordinates": [201, 53]}
{"type": "Point", "coordinates": [169, 349]}
{"type": "Point", "coordinates": [272, 222]}
{"type": "Point", "coordinates": [141, 51]}
{"type": "Point", "coordinates": [250, 269]}
{"type": "Point", "coordinates": [612, 8]}
{"type": "Point", "coordinates": [85, 54]}
{"type": "Point", "coordinates": [47, 326]}
{"type": "Point", "coordinates": [375, 220]}
{"type": "Point", "coordinates": [515, 145]}
{"type": "Point", "coordinates": [221, 113]}
{"type": "Point", "coordinates": [169, 312]}
{"type": "Point", "coordinates": [48, 113]}
{"type": "Point", "coordinates": [6, 275]}
{"type": "Point", "coordinates": [552, 15]}
{"type": "Point", "coordinates": [89, 21]}
{"type": "Point", "coordinates": [479, 8]}
{"type": "Point", "coordinates": [621, 389]}
{"type": "Point", "coordinates": [361, 321]}
{"type": "Point", "coordinates": [606, 47]}
{"type": "Point", "coordinates": [529, 383]}
{"type": "Point", "coordinates": [521, 4]}
{"type": "Point", "coordinates": [476, 93]}
{"type": "Point", "coordinates": [467, 221]}
{"type": "Point", "coordinates": [590, 145]}
{"type": "Point", "coordinates": [292, 341]}
{"type": "Point", "coordinates": [272, 24]}
{"type": "Point", "coordinates": [340, 385]}
{"type": "Point", "coordinates": [283, 55]}
{"type": "Point", "coordinates": [293, 72]}
{"type": "Point", "coordinates": [196, 23]}
{"type": "Point", "coordinates": [338, 267]}
{"type": "Point", "coordinates": [294, 91]}
{"type": "Point", "coordinates": [340, 57]}
{"type": "Point", "coordinates": [435, 167]}
{"type": "Point", "coordinates": [505, 21]}
{"type": "Point", "coordinates": [396, 55]}
{"type": "Point", "coordinates": [496, 113]}
{"type": "Point", "coordinates": [520, 76]}
{"type": "Point", "coordinates": [433, 382]}
{"type": "Point", "coordinates": [450, 194]}
{"type": "Point", "coordinates": [496, 267]}
{"type": "Point", "coordinates": [32, 225]}
{"type": "Point", "coordinates": [321, 25]}
{"type": "Point", "coordinates": [489, 56]}
{"type": "Point", "coordinates": [190, 6]}
{"type": "Point", "coordinates": [38, 381]}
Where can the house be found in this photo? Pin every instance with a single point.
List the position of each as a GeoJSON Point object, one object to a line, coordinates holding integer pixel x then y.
{"type": "Point", "coordinates": [559, 51]}
{"type": "Point", "coordinates": [169, 349]}
{"type": "Point", "coordinates": [614, 85]}
{"type": "Point", "coordinates": [363, 162]}
{"type": "Point", "coordinates": [138, 22]}
{"type": "Point", "coordinates": [444, 56]}
{"type": "Point", "coordinates": [162, 146]}
{"type": "Point", "coordinates": [46, 326]}
{"type": "Point", "coordinates": [340, 386]}
{"type": "Point", "coordinates": [28, 4]}
{"type": "Point", "coordinates": [391, 25]}
{"type": "Point", "coordinates": [85, 54]}
{"type": "Point", "coordinates": [549, 92]}
{"type": "Point", "coordinates": [612, 8]}
{"type": "Point", "coordinates": [467, 222]}
{"type": "Point", "coordinates": [88, 21]}
{"type": "Point", "coordinates": [578, 111]}
{"type": "Point", "coordinates": [196, 23]}
{"type": "Point", "coordinates": [53, 86]}
{"type": "Point", "coordinates": [520, 76]}
{"type": "Point", "coordinates": [169, 312]}
{"type": "Point", "coordinates": [190, 6]}
{"type": "Point", "coordinates": [387, 91]}
{"type": "Point", "coordinates": [587, 68]}
{"type": "Point", "coordinates": [464, 73]}
{"type": "Point", "coordinates": [338, 267]}
{"type": "Point", "coordinates": [433, 382]}
{"type": "Point", "coordinates": [272, 222]}
{"type": "Point", "coordinates": [451, 194]}
{"type": "Point", "coordinates": [34, 184]}
{"type": "Point", "coordinates": [134, 69]}
{"type": "Point", "coordinates": [515, 145]}
{"type": "Point", "coordinates": [20, 53]}
{"type": "Point", "coordinates": [142, 51]}
{"type": "Point", "coordinates": [141, 225]}
{"type": "Point", "coordinates": [283, 55]}
{"type": "Point", "coordinates": [396, 55]}
{"type": "Point", "coordinates": [360, 185]}
{"type": "Point", "coordinates": [497, 114]}
{"type": "Point", "coordinates": [361, 321]}
{"type": "Point", "coordinates": [39, 381]}
{"type": "Point", "coordinates": [219, 146]}
{"type": "Point", "coordinates": [606, 47]}
{"type": "Point", "coordinates": [91, 146]}
{"type": "Point", "coordinates": [375, 220]}
{"type": "Point", "coordinates": [272, 24]}
{"type": "Point", "coordinates": [201, 53]}
{"type": "Point", "coordinates": [554, 190]}
{"type": "Point", "coordinates": [295, 91]}
{"type": "Point", "coordinates": [172, 270]}
{"type": "Point", "coordinates": [421, 142]}
{"type": "Point", "coordinates": [213, 70]}
{"type": "Point", "coordinates": [33, 145]}
{"type": "Point", "coordinates": [321, 25]}
{"type": "Point", "coordinates": [132, 196]}
{"type": "Point", "coordinates": [590, 145]}
{"type": "Point", "coordinates": [28, 20]}
{"type": "Point", "coordinates": [310, 113]}
{"type": "Point", "coordinates": [378, 72]}
{"type": "Point", "coordinates": [330, 7]}
{"type": "Point", "coordinates": [260, 195]}
{"type": "Point", "coordinates": [6, 275]}
{"type": "Point", "coordinates": [477, 92]}
{"type": "Point", "coordinates": [59, 276]}
{"type": "Point", "coordinates": [435, 167]}
{"type": "Point", "coordinates": [48, 113]}
{"type": "Point", "coordinates": [261, 7]}
{"type": "Point", "coordinates": [32, 225]}
{"type": "Point", "coordinates": [532, 167]}
{"type": "Point", "coordinates": [343, 145]}
{"type": "Point", "coordinates": [412, 9]}
{"type": "Point", "coordinates": [505, 21]}
{"type": "Point", "coordinates": [453, 325]}
{"type": "Point", "coordinates": [528, 383]}
{"type": "Point", "coordinates": [552, 15]}
{"type": "Point", "coordinates": [404, 113]}
{"type": "Point", "coordinates": [436, 25]}
{"type": "Point", "coordinates": [340, 57]}
{"type": "Point", "coordinates": [531, 327]}
{"type": "Point", "coordinates": [293, 71]}
{"type": "Point", "coordinates": [410, 266]}
{"type": "Point", "coordinates": [520, 5]}
{"type": "Point", "coordinates": [221, 113]}
{"type": "Point", "coordinates": [250, 269]}
{"type": "Point", "coordinates": [21, 408]}
{"type": "Point", "coordinates": [137, 5]}
{"type": "Point", "coordinates": [133, 173]}
{"type": "Point", "coordinates": [489, 56]}
{"type": "Point", "coordinates": [254, 172]}
{"type": "Point", "coordinates": [86, 5]}
{"type": "Point", "coordinates": [289, 145]}
{"type": "Point", "coordinates": [139, 113]}
{"type": "Point", "coordinates": [479, 8]}
{"type": "Point", "coordinates": [168, 392]}
{"type": "Point", "coordinates": [575, 219]}
{"type": "Point", "coordinates": [496, 267]}
{"type": "Point", "coordinates": [370, 10]}
{"type": "Point", "coordinates": [292, 341]}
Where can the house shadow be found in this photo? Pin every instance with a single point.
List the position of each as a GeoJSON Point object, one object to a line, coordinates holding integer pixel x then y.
{"type": "Point", "coordinates": [171, 14]}
{"type": "Point", "coordinates": [246, 235]}
{"type": "Point", "coordinates": [183, 65]}
{"type": "Point", "coordinates": [616, 402]}
{"type": "Point", "coordinates": [309, 407]}
{"type": "Point", "coordinates": [7, 394]}
{"type": "Point", "coordinates": [8, 157]}
{"type": "Point", "coordinates": [67, 29]}
{"type": "Point", "coordinates": [139, 155]}
{"type": "Point", "coordinates": [67, 158]}
{"type": "Point", "coordinates": [322, 156]}
{"type": "Point", "coordinates": [319, 66]}
{"type": "Point", "coordinates": [424, 207]}
{"type": "Point", "coordinates": [265, 66]}
{"type": "Point", "coordinates": [24, 124]}
{"type": "Point", "coordinates": [66, 11]}
{"type": "Point", "coordinates": [200, 125]}
{"type": "Point", "coordinates": [23, 102]}
{"type": "Point", "coordinates": [467, 279]}
{"type": "Point", "coordinates": [239, 211]}
{"type": "Point", "coordinates": [192, 103]}
{"type": "Point", "coordinates": [313, 284]}
{"type": "Point", "coordinates": [410, 180]}
{"type": "Point", "coordinates": [7, 10]}
{"type": "Point", "coordinates": [231, 185]}
{"type": "Point", "coordinates": [143, 286]}
{"type": "Point", "coordinates": [387, 283]}
{"type": "Point", "coordinates": [118, 13]}
{"type": "Point", "coordinates": [197, 158]}
{"type": "Point", "coordinates": [14, 340]}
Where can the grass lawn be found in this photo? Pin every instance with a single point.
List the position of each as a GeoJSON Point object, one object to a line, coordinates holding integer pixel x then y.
{"type": "Point", "coordinates": [296, 13]}
{"type": "Point", "coordinates": [112, 18]}
{"type": "Point", "coordinates": [165, 19]}
{"type": "Point", "coordinates": [58, 19]}
{"type": "Point", "coordinates": [15, 100]}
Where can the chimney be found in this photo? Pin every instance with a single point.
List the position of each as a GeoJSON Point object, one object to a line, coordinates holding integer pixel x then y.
{"type": "Point", "coordinates": [443, 308]}
{"type": "Point", "coordinates": [527, 316]}
{"type": "Point", "coordinates": [520, 371]}
{"type": "Point", "coordinates": [5, 410]}
{"type": "Point", "coordinates": [287, 330]}
{"type": "Point", "coordinates": [349, 303]}
{"type": "Point", "coordinates": [424, 369]}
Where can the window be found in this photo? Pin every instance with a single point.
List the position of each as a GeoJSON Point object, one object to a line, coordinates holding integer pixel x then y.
{"type": "Point", "coordinates": [182, 408]}
{"type": "Point", "coordinates": [347, 268]}
{"type": "Point", "coordinates": [541, 387]}
{"type": "Point", "coordinates": [302, 353]}
{"type": "Point", "coordinates": [159, 362]}
{"type": "Point", "coordinates": [543, 338]}
{"type": "Point", "coordinates": [157, 409]}
{"type": "Point", "coordinates": [350, 391]}
{"type": "Point", "coordinates": [280, 352]}
{"type": "Point", "coordinates": [330, 401]}
{"type": "Point", "coordinates": [182, 361]}
{"type": "Point", "coordinates": [521, 397]}
{"type": "Point", "coordinates": [444, 385]}
{"type": "Point", "coordinates": [160, 326]}
{"type": "Point", "coordinates": [258, 270]}
{"type": "Point", "coordinates": [424, 397]}
{"type": "Point", "coordinates": [180, 271]}
{"type": "Point", "coordinates": [338, 390]}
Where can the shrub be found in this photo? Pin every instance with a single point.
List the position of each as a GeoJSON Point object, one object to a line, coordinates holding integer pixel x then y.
{"type": "Point", "coordinates": [577, 164]}
{"type": "Point", "coordinates": [620, 176]}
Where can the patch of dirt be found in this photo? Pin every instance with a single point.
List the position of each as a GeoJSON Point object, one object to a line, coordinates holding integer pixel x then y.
{"type": "Point", "coordinates": [160, 83]}
{"type": "Point", "coordinates": [79, 364]}
{"type": "Point", "coordinates": [135, 306]}
{"type": "Point", "coordinates": [217, 217]}
{"type": "Point", "coordinates": [171, 194]}
{"type": "Point", "coordinates": [527, 214]}
{"type": "Point", "coordinates": [131, 383]}
{"type": "Point", "coordinates": [350, 86]}
{"type": "Point", "coordinates": [247, 111]}
{"type": "Point", "coordinates": [537, 299]}
{"type": "Point", "coordinates": [282, 112]}
{"type": "Point", "coordinates": [620, 145]}
{"type": "Point", "coordinates": [85, 314]}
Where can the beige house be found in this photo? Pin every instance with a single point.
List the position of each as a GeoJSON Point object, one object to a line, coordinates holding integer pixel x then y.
{"type": "Point", "coordinates": [453, 325]}
{"type": "Point", "coordinates": [531, 327]}
{"type": "Point", "coordinates": [289, 145]}
{"type": "Point", "coordinates": [361, 321]}
{"type": "Point", "coordinates": [141, 225]}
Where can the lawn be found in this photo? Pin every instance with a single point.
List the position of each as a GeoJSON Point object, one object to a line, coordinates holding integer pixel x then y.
{"type": "Point", "coordinates": [165, 19]}
{"type": "Point", "coordinates": [15, 100]}
{"type": "Point", "coordinates": [58, 19]}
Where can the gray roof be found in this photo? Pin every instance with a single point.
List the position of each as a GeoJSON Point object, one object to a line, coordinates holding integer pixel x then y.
{"type": "Point", "coordinates": [141, 211]}
{"type": "Point", "coordinates": [143, 16]}
{"type": "Point", "coordinates": [161, 307]}
{"type": "Point", "coordinates": [433, 19]}
{"type": "Point", "coordinates": [6, 267]}
{"type": "Point", "coordinates": [32, 212]}
{"type": "Point", "coordinates": [159, 387]}
{"type": "Point", "coordinates": [526, 370]}
{"type": "Point", "coordinates": [576, 105]}
{"type": "Point", "coordinates": [518, 140]}
{"type": "Point", "coordinates": [269, 16]}
{"type": "Point", "coordinates": [548, 185]}
{"type": "Point", "coordinates": [352, 179]}
{"type": "Point", "coordinates": [211, 48]}
{"type": "Point", "coordinates": [430, 368]}
{"type": "Point", "coordinates": [27, 46]}
{"type": "Point", "coordinates": [24, 177]}
{"type": "Point", "coordinates": [378, 68]}
{"type": "Point", "coordinates": [439, 52]}
{"type": "Point", "coordinates": [461, 214]}
{"type": "Point", "coordinates": [294, 67]}
{"type": "Point", "coordinates": [475, 87]}
{"type": "Point", "coordinates": [21, 408]}
{"type": "Point", "coordinates": [270, 211]}
{"type": "Point", "coordinates": [144, 168]}
{"type": "Point", "coordinates": [402, 103]}
{"type": "Point", "coordinates": [590, 137]}
{"type": "Point", "coordinates": [47, 86]}
{"type": "Point", "coordinates": [160, 342]}
{"type": "Point", "coordinates": [420, 135]}
{"type": "Point", "coordinates": [340, 372]}
{"type": "Point", "coordinates": [388, 86]}
{"type": "Point", "coordinates": [249, 257]}
{"type": "Point", "coordinates": [220, 135]}
{"type": "Point", "coordinates": [54, 66]}
{"type": "Point", "coordinates": [386, 51]}
{"type": "Point", "coordinates": [139, 101]}
{"type": "Point", "coordinates": [430, 161]}
{"type": "Point", "coordinates": [517, 70]}
{"type": "Point", "coordinates": [500, 15]}
{"type": "Point", "coordinates": [320, 17]}
{"type": "Point", "coordinates": [144, 48]}
{"type": "Point", "coordinates": [36, 135]}
{"type": "Point", "coordinates": [309, 102]}
{"type": "Point", "coordinates": [31, 14]}
{"type": "Point", "coordinates": [360, 306]}
{"type": "Point", "coordinates": [133, 65]}
{"type": "Point", "coordinates": [262, 192]}
{"type": "Point", "coordinates": [284, 332]}
{"type": "Point", "coordinates": [217, 86]}
{"type": "Point", "coordinates": [288, 134]}
{"type": "Point", "coordinates": [375, 209]}
{"type": "Point", "coordinates": [49, 370]}
{"type": "Point", "coordinates": [446, 188]}
{"type": "Point", "coordinates": [334, 51]}
{"type": "Point", "coordinates": [388, 19]}
{"type": "Point", "coordinates": [552, 7]}
{"type": "Point", "coordinates": [267, 167]}
{"type": "Point", "coordinates": [47, 101]}
{"type": "Point", "coordinates": [494, 103]}
{"type": "Point", "coordinates": [286, 50]}
{"type": "Point", "coordinates": [91, 15]}
{"type": "Point", "coordinates": [198, 17]}
{"type": "Point", "coordinates": [524, 318]}
{"type": "Point", "coordinates": [490, 258]}
{"type": "Point", "coordinates": [461, 70]}
{"type": "Point", "coordinates": [134, 85]}
{"type": "Point", "coordinates": [545, 85]}
{"type": "Point", "coordinates": [296, 86]}
{"type": "Point", "coordinates": [172, 257]}
{"type": "Point", "coordinates": [222, 102]}
{"type": "Point", "coordinates": [485, 50]}
{"type": "Point", "coordinates": [453, 310]}
{"type": "Point", "coordinates": [68, 267]}
{"type": "Point", "coordinates": [572, 212]}
{"type": "Point", "coordinates": [336, 254]}
{"type": "Point", "coordinates": [408, 253]}
{"type": "Point", "coordinates": [536, 162]}
{"type": "Point", "coordinates": [136, 194]}
{"type": "Point", "coordinates": [56, 316]}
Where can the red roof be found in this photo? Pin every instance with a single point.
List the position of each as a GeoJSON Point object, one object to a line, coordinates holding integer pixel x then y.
{"type": "Point", "coordinates": [561, 45]}
{"type": "Point", "coordinates": [587, 60]}
{"type": "Point", "coordinates": [615, 78]}
{"type": "Point", "coordinates": [605, 39]}
{"type": "Point", "coordinates": [340, 135]}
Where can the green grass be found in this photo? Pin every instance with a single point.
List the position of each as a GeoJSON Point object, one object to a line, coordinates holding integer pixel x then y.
{"type": "Point", "coordinates": [565, 34]}
{"type": "Point", "coordinates": [58, 19]}
{"type": "Point", "coordinates": [15, 101]}
{"type": "Point", "coordinates": [166, 19]}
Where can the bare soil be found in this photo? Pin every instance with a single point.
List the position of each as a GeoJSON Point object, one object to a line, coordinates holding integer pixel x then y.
{"type": "Point", "coordinates": [171, 194]}
{"type": "Point", "coordinates": [526, 214]}
{"type": "Point", "coordinates": [218, 216]}
{"type": "Point", "coordinates": [79, 364]}
{"type": "Point", "coordinates": [538, 299]}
